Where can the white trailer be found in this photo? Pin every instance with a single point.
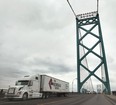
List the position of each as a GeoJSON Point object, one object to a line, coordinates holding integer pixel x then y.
{"type": "Point", "coordinates": [52, 85]}
{"type": "Point", "coordinates": [37, 86]}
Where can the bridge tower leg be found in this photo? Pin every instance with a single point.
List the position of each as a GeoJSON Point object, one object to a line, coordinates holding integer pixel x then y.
{"type": "Point", "coordinates": [83, 21]}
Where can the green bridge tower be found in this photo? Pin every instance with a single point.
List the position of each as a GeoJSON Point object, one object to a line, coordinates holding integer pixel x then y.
{"type": "Point", "coordinates": [87, 22]}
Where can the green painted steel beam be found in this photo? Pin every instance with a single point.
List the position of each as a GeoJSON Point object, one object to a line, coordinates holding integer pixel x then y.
{"type": "Point", "coordinates": [79, 26]}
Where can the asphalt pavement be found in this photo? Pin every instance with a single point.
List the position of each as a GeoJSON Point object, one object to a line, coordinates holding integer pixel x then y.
{"type": "Point", "coordinates": [72, 99]}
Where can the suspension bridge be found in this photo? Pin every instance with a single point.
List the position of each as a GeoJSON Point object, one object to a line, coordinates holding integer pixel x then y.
{"type": "Point", "coordinates": [91, 57]}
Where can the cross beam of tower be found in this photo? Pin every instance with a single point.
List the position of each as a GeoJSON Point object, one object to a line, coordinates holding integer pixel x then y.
{"type": "Point", "coordinates": [83, 21]}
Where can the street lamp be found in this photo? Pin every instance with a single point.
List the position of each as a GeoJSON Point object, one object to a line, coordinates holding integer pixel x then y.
{"type": "Point", "coordinates": [72, 83]}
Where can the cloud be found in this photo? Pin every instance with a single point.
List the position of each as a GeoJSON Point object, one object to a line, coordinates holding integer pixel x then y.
{"type": "Point", "coordinates": [40, 37]}
{"type": "Point", "coordinates": [47, 65]}
{"type": "Point", "coordinates": [34, 14]}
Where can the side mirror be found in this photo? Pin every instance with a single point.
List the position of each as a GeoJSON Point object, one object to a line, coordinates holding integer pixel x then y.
{"type": "Point", "coordinates": [16, 83]}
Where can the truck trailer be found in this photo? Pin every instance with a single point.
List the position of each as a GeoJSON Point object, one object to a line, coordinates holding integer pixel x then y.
{"type": "Point", "coordinates": [37, 86]}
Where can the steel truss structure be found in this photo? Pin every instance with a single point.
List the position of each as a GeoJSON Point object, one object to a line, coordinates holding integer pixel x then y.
{"type": "Point", "coordinates": [86, 19]}
{"type": "Point", "coordinates": [82, 21]}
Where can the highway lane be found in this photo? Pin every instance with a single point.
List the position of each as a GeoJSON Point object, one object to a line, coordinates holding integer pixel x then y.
{"type": "Point", "coordinates": [82, 99]}
{"type": "Point", "coordinates": [75, 100]}
{"type": "Point", "coordinates": [99, 99]}
{"type": "Point", "coordinates": [89, 99]}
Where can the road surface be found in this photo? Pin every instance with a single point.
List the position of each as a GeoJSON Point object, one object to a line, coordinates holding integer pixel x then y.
{"type": "Point", "coordinates": [82, 99]}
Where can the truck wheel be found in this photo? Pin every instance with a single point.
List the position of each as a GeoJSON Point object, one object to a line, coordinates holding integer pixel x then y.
{"type": "Point", "coordinates": [25, 96]}
{"type": "Point", "coordinates": [47, 95]}
{"type": "Point", "coordinates": [58, 95]}
{"type": "Point", "coordinates": [10, 99]}
{"type": "Point", "coordinates": [65, 95]}
{"type": "Point", "coordinates": [43, 96]}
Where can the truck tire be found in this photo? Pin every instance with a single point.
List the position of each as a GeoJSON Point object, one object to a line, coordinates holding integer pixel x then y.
{"type": "Point", "coordinates": [25, 96]}
{"type": "Point", "coordinates": [10, 99]}
{"type": "Point", "coordinates": [47, 95]}
{"type": "Point", "coordinates": [65, 95]}
{"type": "Point", "coordinates": [58, 95]}
{"type": "Point", "coordinates": [43, 96]}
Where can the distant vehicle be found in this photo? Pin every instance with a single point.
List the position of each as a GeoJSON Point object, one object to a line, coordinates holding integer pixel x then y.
{"type": "Point", "coordinates": [37, 86]}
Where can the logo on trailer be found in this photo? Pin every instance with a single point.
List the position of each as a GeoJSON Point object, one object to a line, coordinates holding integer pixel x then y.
{"type": "Point", "coordinates": [50, 83]}
{"type": "Point", "coordinates": [56, 85]}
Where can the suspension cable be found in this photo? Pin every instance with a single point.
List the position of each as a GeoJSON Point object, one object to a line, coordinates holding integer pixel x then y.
{"type": "Point", "coordinates": [71, 8]}
{"type": "Point", "coordinates": [74, 11]}
{"type": "Point", "coordinates": [97, 6]}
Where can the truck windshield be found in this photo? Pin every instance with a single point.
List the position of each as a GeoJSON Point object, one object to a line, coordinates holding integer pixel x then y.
{"type": "Point", "coordinates": [22, 82]}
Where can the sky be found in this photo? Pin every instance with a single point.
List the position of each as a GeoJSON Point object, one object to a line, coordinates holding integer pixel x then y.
{"type": "Point", "coordinates": [39, 37]}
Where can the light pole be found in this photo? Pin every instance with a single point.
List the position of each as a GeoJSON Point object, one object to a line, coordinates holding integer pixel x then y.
{"type": "Point", "coordinates": [72, 83]}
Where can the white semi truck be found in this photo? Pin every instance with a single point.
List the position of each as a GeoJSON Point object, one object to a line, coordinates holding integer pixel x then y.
{"type": "Point", "coordinates": [37, 86]}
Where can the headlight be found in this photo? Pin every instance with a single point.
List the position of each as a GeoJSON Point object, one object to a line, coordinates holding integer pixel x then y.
{"type": "Point", "coordinates": [19, 93]}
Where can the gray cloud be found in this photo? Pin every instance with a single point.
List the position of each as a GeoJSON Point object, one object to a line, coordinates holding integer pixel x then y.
{"type": "Point", "coordinates": [34, 14]}
{"type": "Point", "coordinates": [47, 65]}
{"type": "Point", "coordinates": [40, 37]}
